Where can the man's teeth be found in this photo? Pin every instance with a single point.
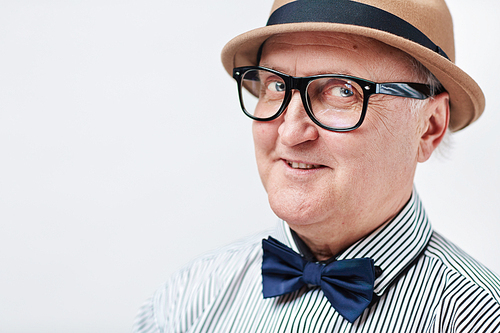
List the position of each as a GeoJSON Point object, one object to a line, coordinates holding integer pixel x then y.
{"type": "Point", "coordinates": [296, 165]}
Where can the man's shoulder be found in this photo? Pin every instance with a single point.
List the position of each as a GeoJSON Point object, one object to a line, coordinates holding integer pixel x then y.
{"type": "Point", "coordinates": [193, 288]}
{"type": "Point", "coordinates": [461, 268]}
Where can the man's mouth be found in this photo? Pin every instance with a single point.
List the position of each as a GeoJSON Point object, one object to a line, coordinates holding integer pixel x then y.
{"type": "Point", "coordinates": [296, 165]}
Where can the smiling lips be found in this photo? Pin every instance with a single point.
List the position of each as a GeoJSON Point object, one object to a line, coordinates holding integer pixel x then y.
{"type": "Point", "coordinates": [296, 165]}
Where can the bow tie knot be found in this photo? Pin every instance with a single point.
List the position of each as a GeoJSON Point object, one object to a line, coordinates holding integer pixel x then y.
{"type": "Point", "coordinates": [347, 284]}
{"type": "Point", "coordinates": [312, 273]}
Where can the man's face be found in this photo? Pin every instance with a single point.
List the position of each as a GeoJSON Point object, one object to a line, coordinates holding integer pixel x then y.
{"type": "Point", "coordinates": [351, 179]}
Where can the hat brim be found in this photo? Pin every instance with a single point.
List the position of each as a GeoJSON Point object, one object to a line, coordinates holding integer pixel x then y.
{"type": "Point", "coordinates": [466, 98]}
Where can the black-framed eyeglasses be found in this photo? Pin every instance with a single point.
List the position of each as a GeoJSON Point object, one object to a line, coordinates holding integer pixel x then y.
{"type": "Point", "coordinates": [334, 102]}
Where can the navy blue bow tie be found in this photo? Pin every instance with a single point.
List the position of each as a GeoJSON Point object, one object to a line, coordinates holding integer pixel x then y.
{"type": "Point", "coordinates": [347, 284]}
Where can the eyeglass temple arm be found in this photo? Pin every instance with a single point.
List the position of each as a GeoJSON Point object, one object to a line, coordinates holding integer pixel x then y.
{"type": "Point", "coordinates": [409, 90]}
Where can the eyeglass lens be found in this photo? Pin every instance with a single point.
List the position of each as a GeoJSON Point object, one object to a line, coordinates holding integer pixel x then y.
{"type": "Point", "coordinates": [334, 101]}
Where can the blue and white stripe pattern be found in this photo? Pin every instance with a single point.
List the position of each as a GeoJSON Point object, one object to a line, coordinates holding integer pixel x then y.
{"type": "Point", "coordinates": [427, 285]}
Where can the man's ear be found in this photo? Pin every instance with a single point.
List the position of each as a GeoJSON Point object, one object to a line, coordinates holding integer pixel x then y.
{"type": "Point", "coordinates": [435, 123]}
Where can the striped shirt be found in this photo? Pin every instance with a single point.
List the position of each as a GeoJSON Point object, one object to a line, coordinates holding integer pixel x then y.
{"type": "Point", "coordinates": [427, 285]}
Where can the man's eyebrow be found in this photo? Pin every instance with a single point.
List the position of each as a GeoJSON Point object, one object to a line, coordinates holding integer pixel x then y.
{"type": "Point", "coordinates": [316, 72]}
{"type": "Point", "coordinates": [276, 68]}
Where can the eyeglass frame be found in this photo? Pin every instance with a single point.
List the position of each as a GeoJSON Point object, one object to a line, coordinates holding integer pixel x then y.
{"type": "Point", "coordinates": [401, 89]}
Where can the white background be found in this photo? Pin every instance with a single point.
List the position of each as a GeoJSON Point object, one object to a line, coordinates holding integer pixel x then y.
{"type": "Point", "coordinates": [123, 153]}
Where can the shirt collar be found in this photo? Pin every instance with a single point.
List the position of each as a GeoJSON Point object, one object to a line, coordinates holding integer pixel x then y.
{"type": "Point", "coordinates": [394, 246]}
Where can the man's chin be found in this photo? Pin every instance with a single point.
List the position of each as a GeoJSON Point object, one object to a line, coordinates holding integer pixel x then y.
{"type": "Point", "coordinates": [295, 212]}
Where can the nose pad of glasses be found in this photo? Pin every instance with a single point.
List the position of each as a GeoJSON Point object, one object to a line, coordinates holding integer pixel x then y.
{"type": "Point", "coordinates": [296, 110]}
{"type": "Point", "coordinates": [296, 100]}
{"type": "Point", "coordinates": [297, 126]}
{"type": "Point", "coordinates": [294, 106]}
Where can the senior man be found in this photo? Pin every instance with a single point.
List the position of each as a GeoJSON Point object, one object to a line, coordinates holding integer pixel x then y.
{"type": "Point", "coordinates": [346, 97]}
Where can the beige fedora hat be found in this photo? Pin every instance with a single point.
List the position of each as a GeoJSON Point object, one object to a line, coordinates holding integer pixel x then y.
{"type": "Point", "coordinates": [421, 28]}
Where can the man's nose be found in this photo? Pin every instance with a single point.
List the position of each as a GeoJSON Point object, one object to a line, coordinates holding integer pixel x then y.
{"type": "Point", "coordinates": [296, 126]}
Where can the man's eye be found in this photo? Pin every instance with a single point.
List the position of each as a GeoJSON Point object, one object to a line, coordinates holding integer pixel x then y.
{"type": "Point", "coordinates": [276, 86]}
{"type": "Point", "coordinates": [341, 91]}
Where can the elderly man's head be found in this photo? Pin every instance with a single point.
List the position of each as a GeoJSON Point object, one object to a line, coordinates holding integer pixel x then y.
{"type": "Point", "coordinates": [318, 179]}
{"type": "Point", "coordinates": [347, 105]}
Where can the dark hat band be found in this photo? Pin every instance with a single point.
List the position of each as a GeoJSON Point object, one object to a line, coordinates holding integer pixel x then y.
{"type": "Point", "coordinates": [353, 13]}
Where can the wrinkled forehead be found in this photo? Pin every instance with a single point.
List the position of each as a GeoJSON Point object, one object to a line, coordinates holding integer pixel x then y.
{"type": "Point", "coordinates": [328, 48]}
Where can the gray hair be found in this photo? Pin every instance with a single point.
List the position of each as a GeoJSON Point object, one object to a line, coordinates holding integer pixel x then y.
{"type": "Point", "coordinates": [424, 75]}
